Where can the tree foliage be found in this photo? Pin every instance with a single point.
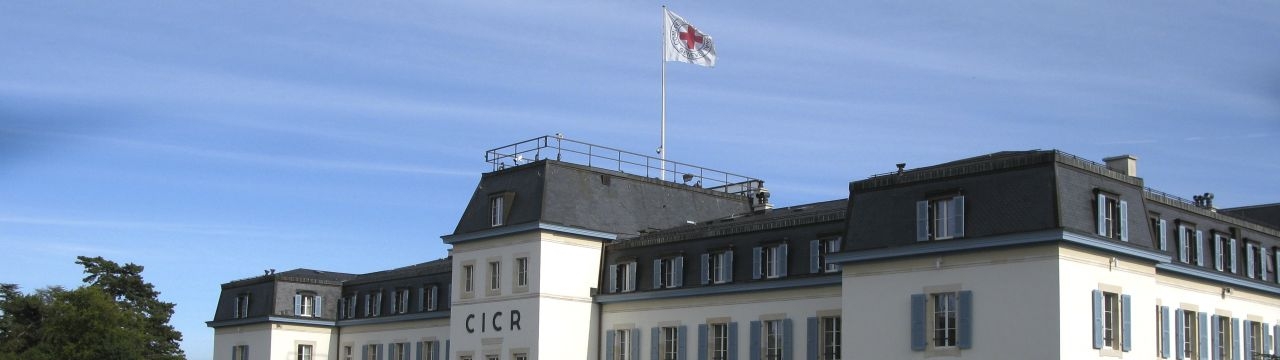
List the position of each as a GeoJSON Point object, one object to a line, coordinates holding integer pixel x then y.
{"type": "Point", "coordinates": [114, 315]}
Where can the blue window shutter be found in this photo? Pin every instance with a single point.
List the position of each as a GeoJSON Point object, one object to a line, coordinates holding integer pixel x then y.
{"type": "Point", "coordinates": [754, 341]}
{"type": "Point", "coordinates": [728, 266]}
{"type": "Point", "coordinates": [788, 337]}
{"type": "Point", "coordinates": [418, 351]}
{"type": "Point", "coordinates": [1266, 338]}
{"type": "Point", "coordinates": [654, 350]}
{"type": "Point", "coordinates": [922, 221]}
{"type": "Point", "coordinates": [811, 347]}
{"type": "Point", "coordinates": [1235, 336]}
{"type": "Point", "coordinates": [1179, 334]}
{"type": "Point", "coordinates": [815, 249]}
{"type": "Point", "coordinates": [446, 350]}
{"type": "Point", "coordinates": [364, 352]}
{"type": "Point", "coordinates": [1199, 247]}
{"type": "Point", "coordinates": [635, 341]}
{"type": "Point", "coordinates": [631, 277]}
{"type": "Point", "coordinates": [782, 259]}
{"type": "Point", "coordinates": [382, 351]}
{"type": "Point", "coordinates": [1204, 336]}
{"type": "Point", "coordinates": [1164, 332]}
{"type": "Point", "coordinates": [1215, 332]}
{"type": "Point", "coordinates": [679, 271]}
{"type": "Point", "coordinates": [657, 273]}
{"type": "Point", "coordinates": [733, 340]}
{"type": "Point", "coordinates": [957, 216]}
{"type": "Point", "coordinates": [1217, 252]}
{"type": "Point", "coordinates": [608, 344]}
{"type": "Point", "coordinates": [1101, 207]}
{"type": "Point", "coordinates": [297, 304]}
{"type": "Point", "coordinates": [1097, 319]}
{"type": "Point", "coordinates": [1164, 236]}
{"type": "Point", "coordinates": [612, 278]}
{"type": "Point", "coordinates": [755, 263]}
{"type": "Point", "coordinates": [1275, 341]}
{"type": "Point", "coordinates": [681, 344]}
{"type": "Point", "coordinates": [1124, 221]}
{"type": "Point", "coordinates": [1182, 244]}
{"type": "Point", "coordinates": [1126, 323]}
{"type": "Point", "coordinates": [318, 310]}
{"type": "Point", "coordinates": [706, 268]}
{"type": "Point", "coordinates": [1248, 347]}
{"type": "Point", "coordinates": [436, 350]}
{"type": "Point", "coordinates": [964, 325]}
{"type": "Point", "coordinates": [702, 341]}
{"type": "Point", "coordinates": [918, 341]}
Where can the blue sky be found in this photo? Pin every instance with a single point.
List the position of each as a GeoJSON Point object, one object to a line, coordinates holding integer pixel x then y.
{"type": "Point", "coordinates": [208, 141]}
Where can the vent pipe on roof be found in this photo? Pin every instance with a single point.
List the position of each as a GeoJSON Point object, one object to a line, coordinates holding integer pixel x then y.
{"type": "Point", "coordinates": [1124, 164]}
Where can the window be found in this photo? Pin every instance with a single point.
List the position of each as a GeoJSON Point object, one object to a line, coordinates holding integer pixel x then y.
{"type": "Point", "coordinates": [1222, 338]}
{"type": "Point", "coordinates": [468, 274]}
{"type": "Point", "coordinates": [520, 357]}
{"type": "Point", "coordinates": [818, 252]}
{"type": "Point", "coordinates": [399, 351]}
{"type": "Point", "coordinates": [497, 210]}
{"type": "Point", "coordinates": [669, 346]}
{"type": "Point", "coordinates": [1188, 330]}
{"type": "Point", "coordinates": [304, 352]}
{"type": "Point", "coordinates": [1162, 331]}
{"type": "Point", "coordinates": [241, 307]}
{"type": "Point", "coordinates": [346, 352]}
{"type": "Point", "coordinates": [371, 352]}
{"type": "Point", "coordinates": [1254, 260]}
{"type": "Point", "coordinates": [429, 350]}
{"type": "Point", "coordinates": [240, 352]}
{"type": "Point", "coordinates": [772, 339]}
{"type": "Point", "coordinates": [491, 357]}
{"type": "Point", "coordinates": [770, 261]}
{"type": "Point", "coordinates": [622, 345]}
{"type": "Point", "coordinates": [1252, 338]}
{"type": "Point", "coordinates": [432, 298]}
{"type": "Point", "coordinates": [1110, 320]}
{"type": "Point", "coordinates": [1223, 252]}
{"type": "Point", "coordinates": [940, 218]}
{"type": "Point", "coordinates": [1275, 272]}
{"type": "Point", "coordinates": [940, 321]}
{"type": "Point", "coordinates": [306, 304]}
{"type": "Point", "coordinates": [718, 338]}
{"type": "Point", "coordinates": [495, 275]}
{"type": "Point", "coordinates": [829, 342]}
{"type": "Point", "coordinates": [400, 301]}
{"type": "Point", "coordinates": [350, 304]}
{"type": "Point", "coordinates": [717, 267]}
{"type": "Point", "coordinates": [522, 271]}
{"type": "Point", "coordinates": [373, 303]}
{"type": "Point", "coordinates": [1190, 244]}
{"type": "Point", "coordinates": [1113, 217]}
{"type": "Point", "coordinates": [622, 277]}
{"type": "Point", "coordinates": [668, 272]}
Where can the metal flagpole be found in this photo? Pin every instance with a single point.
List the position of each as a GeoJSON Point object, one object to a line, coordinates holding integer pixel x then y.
{"type": "Point", "coordinates": [662, 145]}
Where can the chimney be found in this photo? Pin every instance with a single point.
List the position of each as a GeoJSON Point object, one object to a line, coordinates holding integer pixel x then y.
{"type": "Point", "coordinates": [1124, 164]}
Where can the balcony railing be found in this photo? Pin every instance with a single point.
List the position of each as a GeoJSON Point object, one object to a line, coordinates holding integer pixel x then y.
{"type": "Point", "coordinates": [561, 149]}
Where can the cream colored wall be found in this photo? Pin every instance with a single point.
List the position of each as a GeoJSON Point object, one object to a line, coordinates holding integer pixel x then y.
{"type": "Point", "coordinates": [1085, 270]}
{"type": "Point", "coordinates": [743, 308]}
{"type": "Point", "coordinates": [409, 332]}
{"type": "Point", "coordinates": [257, 337]}
{"type": "Point", "coordinates": [1014, 297]}
{"type": "Point", "coordinates": [285, 339]}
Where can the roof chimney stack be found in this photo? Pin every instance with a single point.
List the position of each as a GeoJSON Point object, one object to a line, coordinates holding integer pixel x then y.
{"type": "Point", "coordinates": [1124, 164]}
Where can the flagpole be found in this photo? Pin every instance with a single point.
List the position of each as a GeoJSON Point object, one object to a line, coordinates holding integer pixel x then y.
{"type": "Point", "coordinates": [662, 145]}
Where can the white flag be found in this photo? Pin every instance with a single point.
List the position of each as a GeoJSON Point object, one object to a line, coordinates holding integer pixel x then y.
{"type": "Point", "coordinates": [684, 43]}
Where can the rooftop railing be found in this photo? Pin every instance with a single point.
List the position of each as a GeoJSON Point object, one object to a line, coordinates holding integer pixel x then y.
{"type": "Point", "coordinates": [561, 149]}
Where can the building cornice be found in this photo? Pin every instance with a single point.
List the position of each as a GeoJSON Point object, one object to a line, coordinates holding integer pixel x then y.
{"type": "Point", "coordinates": [1181, 269]}
{"type": "Point", "coordinates": [270, 320]}
{"type": "Point", "coordinates": [525, 227]}
{"type": "Point", "coordinates": [443, 314]}
{"type": "Point", "coordinates": [723, 289]}
{"type": "Point", "coordinates": [972, 244]}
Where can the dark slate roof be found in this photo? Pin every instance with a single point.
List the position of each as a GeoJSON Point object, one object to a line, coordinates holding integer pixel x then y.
{"type": "Point", "coordinates": [1003, 160]}
{"type": "Point", "coordinates": [444, 265]}
{"type": "Point", "coordinates": [296, 275]}
{"type": "Point", "coordinates": [1267, 214]}
{"type": "Point", "coordinates": [833, 210]}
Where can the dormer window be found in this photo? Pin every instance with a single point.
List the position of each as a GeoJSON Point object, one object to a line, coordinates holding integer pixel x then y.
{"type": "Point", "coordinates": [306, 304]}
{"type": "Point", "coordinates": [496, 204]}
{"type": "Point", "coordinates": [940, 218]}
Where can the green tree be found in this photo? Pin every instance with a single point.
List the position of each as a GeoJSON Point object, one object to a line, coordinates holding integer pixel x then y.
{"type": "Point", "coordinates": [114, 315]}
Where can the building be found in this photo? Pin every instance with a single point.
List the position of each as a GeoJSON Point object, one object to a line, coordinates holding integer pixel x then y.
{"type": "Point", "coordinates": [565, 253]}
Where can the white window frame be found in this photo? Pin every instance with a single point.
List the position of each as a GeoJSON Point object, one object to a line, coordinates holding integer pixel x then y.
{"type": "Point", "coordinates": [240, 352]}
{"type": "Point", "coordinates": [1111, 318]}
{"type": "Point", "coordinates": [495, 275]}
{"type": "Point", "coordinates": [622, 344]}
{"type": "Point", "coordinates": [497, 206]}
{"type": "Point", "coordinates": [771, 262]}
{"type": "Point", "coordinates": [468, 277]}
{"type": "Point", "coordinates": [347, 352]}
{"type": "Point", "coordinates": [1223, 347]}
{"type": "Point", "coordinates": [241, 309]}
{"type": "Point", "coordinates": [717, 268]}
{"type": "Point", "coordinates": [829, 328]}
{"type": "Point", "coordinates": [718, 341]}
{"type": "Point", "coordinates": [522, 271]}
{"type": "Point", "coordinates": [944, 317]}
{"type": "Point", "coordinates": [669, 347]}
{"type": "Point", "coordinates": [433, 298]}
{"type": "Point", "coordinates": [829, 246]}
{"type": "Point", "coordinates": [771, 340]}
{"type": "Point", "coordinates": [399, 351]}
{"type": "Point", "coordinates": [940, 218]}
{"type": "Point", "coordinates": [305, 352]}
{"type": "Point", "coordinates": [1190, 346]}
{"type": "Point", "coordinates": [371, 352]}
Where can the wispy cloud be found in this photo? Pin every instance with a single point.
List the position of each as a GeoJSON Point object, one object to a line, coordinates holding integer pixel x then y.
{"type": "Point", "coordinates": [203, 229]}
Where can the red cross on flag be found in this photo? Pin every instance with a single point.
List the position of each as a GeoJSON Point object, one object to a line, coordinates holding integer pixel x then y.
{"type": "Point", "coordinates": [684, 43]}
